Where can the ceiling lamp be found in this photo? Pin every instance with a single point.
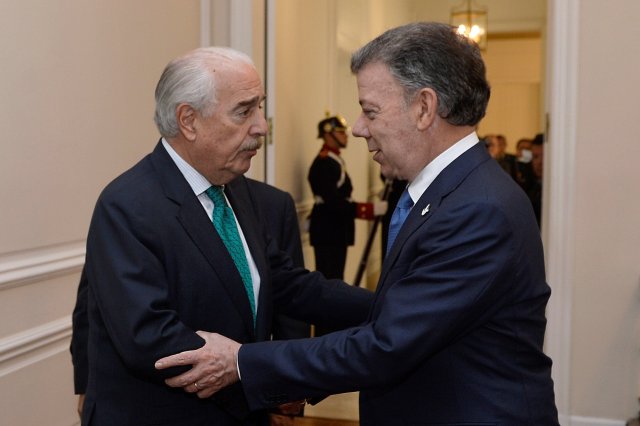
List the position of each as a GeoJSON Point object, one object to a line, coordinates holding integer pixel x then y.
{"type": "Point", "coordinates": [471, 21]}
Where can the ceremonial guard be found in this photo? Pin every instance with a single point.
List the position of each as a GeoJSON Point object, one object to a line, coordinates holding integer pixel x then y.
{"type": "Point", "coordinates": [332, 220]}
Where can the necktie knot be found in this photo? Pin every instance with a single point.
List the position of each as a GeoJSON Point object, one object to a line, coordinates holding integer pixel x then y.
{"type": "Point", "coordinates": [405, 201]}
{"type": "Point", "coordinates": [216, 195]}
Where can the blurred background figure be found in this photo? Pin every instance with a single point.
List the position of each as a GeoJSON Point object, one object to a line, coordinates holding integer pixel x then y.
{"type": "Point", "coordinates": [535, 192]}
{"type": "Point", "coordinates": [497, 147]}
{"type": "Point", "coordinates": [523, 150]}
{"type": "Point", "coordinates": [524, 171]}
{"type": "Point", "coordinates": [517, 166]}
{"type": "Point", "coordinates": [332, 220]}
{"type": "Point", "coordinates": [278, 210]}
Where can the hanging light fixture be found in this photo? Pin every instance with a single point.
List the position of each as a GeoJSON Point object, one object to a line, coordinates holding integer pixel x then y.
{"type": "Point", "coordinates": [471, 21]}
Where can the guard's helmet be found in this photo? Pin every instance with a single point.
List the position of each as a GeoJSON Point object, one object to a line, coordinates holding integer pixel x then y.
{"type": "Point", "coordinates": [331, 124]}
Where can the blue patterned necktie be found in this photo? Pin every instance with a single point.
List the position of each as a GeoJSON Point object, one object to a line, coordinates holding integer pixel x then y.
{"type": "Point", "coordinates": [225, 224]}
{"type": "Point", "coordinates": [405, 203]}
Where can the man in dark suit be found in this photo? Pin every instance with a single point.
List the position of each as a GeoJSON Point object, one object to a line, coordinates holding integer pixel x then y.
{"type": "Point", "coordinates": [456, 330]}
{"type": "Point", "coordinates": [158, 269]}
{"type": "Point", "coordinates": [277, 209]}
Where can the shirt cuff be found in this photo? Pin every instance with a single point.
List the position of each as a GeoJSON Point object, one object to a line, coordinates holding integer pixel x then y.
{"type": "Point", "coordinates": [238, 365]}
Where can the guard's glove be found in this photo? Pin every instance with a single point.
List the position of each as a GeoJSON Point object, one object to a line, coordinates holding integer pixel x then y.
{"type": "Point", "coordinates": [380, 208]}
{"type": "Point", "coordinates": [370, 210]}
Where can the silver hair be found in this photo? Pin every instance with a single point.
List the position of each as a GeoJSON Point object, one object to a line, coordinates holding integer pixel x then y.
{"type": "Point", "coordinates": [433, 55]}
{"type": "Point", "coordinates": [190, 79]}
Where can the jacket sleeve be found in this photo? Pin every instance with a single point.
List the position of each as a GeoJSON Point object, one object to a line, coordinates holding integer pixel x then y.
{"type": "Point", "coordinates": [80, 338]}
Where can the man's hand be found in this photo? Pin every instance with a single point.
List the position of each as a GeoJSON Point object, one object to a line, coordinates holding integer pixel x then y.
{"type": "Point", "coordinates": [292, 408]}
{"type": "Point", "coordinates": [80, 404]}
{"type": "Point", "coordinates": [214, 366]}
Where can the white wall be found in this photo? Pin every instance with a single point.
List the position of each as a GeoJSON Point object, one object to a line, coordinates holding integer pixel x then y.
{"type": "Point", "coordinates": [76, 109]}
{"type": "Point", "coordinates": [514, 73]}
{"type": "Point", "coordinates": [606, 282]}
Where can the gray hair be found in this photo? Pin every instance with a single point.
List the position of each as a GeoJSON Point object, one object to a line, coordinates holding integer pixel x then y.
{"type": "Point", "coordinates": [190, 79]}
{"type": "Point", "coordinates": [433, 55]}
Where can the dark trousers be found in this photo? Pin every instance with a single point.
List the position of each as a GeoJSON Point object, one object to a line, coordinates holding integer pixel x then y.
{"type": "Point", "coordinates": [330, 260]}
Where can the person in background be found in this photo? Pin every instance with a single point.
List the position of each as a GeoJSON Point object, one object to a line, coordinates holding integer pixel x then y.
{"type": "Point", "coordinates": [176, 245]}
{"type": "Point", "coordinates": [278, 211]}
{"type": "Point", "coordinates": [537, 165]}
{"type": "Point", "coordinates": [523, 150]}
{"type": "Point", "coordinates": [456, 331]}
{"type": "Point", "coordinates": [497, 147]}
{"type": "Point", "coordinates": [523, 169]}
{"type": "Point", "coordinates": [332, 220]}
{"type": "Point", "coordinates": [519, 170]}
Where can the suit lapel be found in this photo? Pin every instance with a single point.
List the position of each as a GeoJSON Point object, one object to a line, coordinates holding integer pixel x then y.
{"type": "Point", "coordinates": [432, 198]}
{"type": "Point", "coordinates": [201, 231]}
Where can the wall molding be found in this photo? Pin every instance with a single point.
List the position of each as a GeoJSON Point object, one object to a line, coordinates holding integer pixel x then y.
{"type": "Point", "coordinates": [31, 346]}
{"type": "Point", "coordinates": [34, 265]}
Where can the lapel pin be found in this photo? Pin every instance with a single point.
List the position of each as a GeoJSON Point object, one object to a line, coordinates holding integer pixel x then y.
{"type": "Point", "coordinates": [426, 209]}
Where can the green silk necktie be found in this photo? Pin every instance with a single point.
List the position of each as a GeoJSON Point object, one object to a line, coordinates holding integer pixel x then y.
{"type": "Point", "coordinates": [225, 224]}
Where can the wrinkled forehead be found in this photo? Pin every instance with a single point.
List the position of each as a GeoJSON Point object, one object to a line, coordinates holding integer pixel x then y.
{"type": "Point", "coordinates": [375, 81]}
{"type": "Point", "coordinates": [238, 80]}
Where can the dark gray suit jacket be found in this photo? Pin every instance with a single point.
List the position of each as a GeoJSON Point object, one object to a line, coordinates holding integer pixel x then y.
{"type": "Point", "coordinates": [271, 205]}
{"type": "Point", "coordinates": [157, 272]}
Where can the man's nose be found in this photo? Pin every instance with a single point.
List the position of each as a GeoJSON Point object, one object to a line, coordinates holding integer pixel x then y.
{"type": "Point", "coordinates": [359, 130]}
{"type": "Point", "coordinates": [261, 127]}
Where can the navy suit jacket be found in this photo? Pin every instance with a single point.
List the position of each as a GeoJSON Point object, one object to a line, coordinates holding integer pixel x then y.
{"type": "Point", "coordinates": [157, 272]}
{"type": "Point", "coordinates": [456, 331]}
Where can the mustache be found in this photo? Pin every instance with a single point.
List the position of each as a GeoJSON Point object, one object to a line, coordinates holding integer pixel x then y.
{"type": "Point", "coordinates": [252, 144]}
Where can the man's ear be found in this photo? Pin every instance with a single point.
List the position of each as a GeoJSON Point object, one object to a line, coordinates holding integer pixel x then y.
{"type": "Point", "coordinates": [186, 118]}
{"type": "Point", "coordinates": [427, 105]}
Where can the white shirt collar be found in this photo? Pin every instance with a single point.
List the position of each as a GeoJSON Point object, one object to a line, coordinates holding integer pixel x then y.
{"type": "Point", "coordinates": [433, 169]}
{"type": "Point", "coordinates": [197, 182]}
